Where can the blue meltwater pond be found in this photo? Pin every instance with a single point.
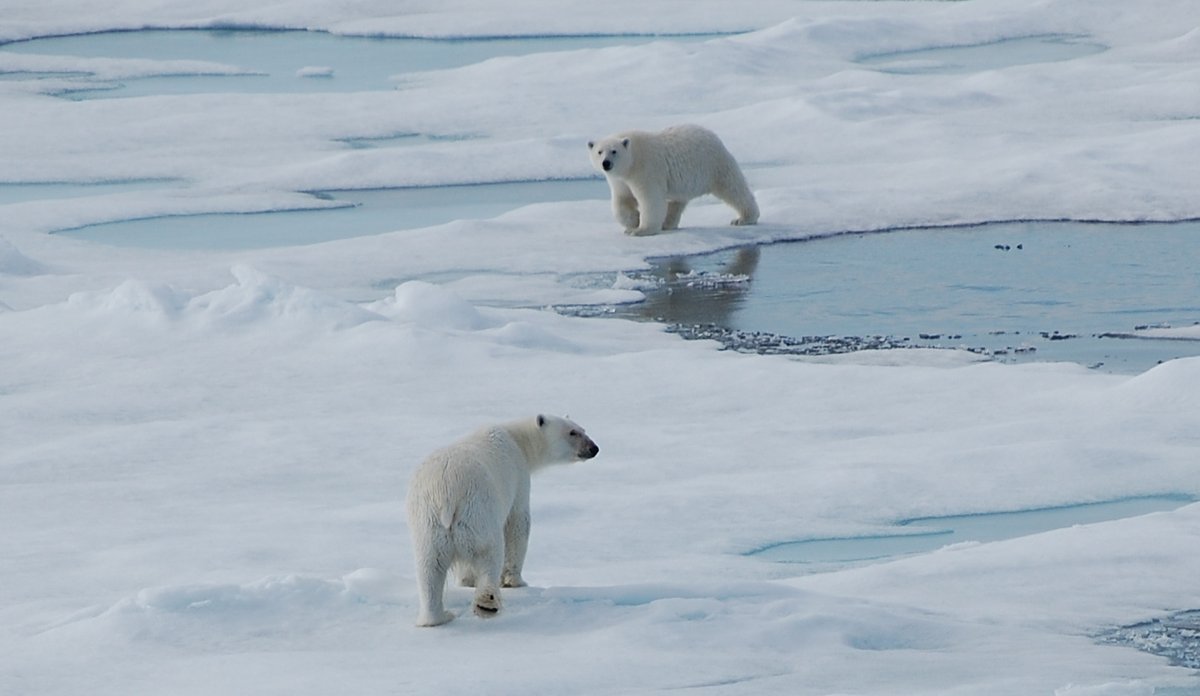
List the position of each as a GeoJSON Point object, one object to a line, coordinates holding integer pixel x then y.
{"type": "Point", "coordinates": [364, 212]}
{"type": "Point", "coordinates": [1016, 291]}
{"type": "Point", "coordinates": [941, 60]}
{"type": "Point", "coordinates": [269, 61]}
{"type": "Point", "coordinates": [931, 533]}
{"type": "Point", "coordinates": [288, 61]}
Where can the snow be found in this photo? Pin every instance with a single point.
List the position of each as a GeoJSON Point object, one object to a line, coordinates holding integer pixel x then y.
{"type": "Point", "coordinates": [205, 453]}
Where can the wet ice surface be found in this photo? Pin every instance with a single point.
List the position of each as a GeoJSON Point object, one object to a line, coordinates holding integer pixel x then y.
{"type": "Point", "coordinates": [1012, 292]}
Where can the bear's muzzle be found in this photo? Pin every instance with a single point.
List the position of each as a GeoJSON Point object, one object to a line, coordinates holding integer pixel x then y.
{"type": "Point", "coordinates": [589, 450]}
{"type": "Point", "coordinates": [607, 165]}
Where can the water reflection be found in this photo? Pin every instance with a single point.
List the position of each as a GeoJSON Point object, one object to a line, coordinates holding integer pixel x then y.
{"type": "Point", "coordinates": [705, 297]}
{"type": "Point", "coordinates": [1012, 291]}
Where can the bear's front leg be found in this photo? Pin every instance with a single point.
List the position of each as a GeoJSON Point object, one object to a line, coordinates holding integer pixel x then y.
{"type": "Point", "coordinates": [653, 212]}
{"type": "Point", "coordinates": [624, 205]}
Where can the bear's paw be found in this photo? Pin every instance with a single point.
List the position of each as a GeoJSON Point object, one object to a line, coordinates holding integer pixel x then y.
{"type": "Point", "coordinates": [487, 604]}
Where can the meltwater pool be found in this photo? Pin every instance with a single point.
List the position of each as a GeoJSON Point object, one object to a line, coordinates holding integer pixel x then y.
{"type": "Point", "coordinates": [282, 60]}
{"type": "Point", "coordinates": [1017, 291]}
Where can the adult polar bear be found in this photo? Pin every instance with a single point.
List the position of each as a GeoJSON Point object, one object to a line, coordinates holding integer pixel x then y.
{"type": "Point", "coordinates": [654, 175]}
{"type": "Point", "coordinates": [468, 508]}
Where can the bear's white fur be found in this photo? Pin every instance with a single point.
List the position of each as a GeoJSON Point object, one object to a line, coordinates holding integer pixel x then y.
{"type": "Point", "coordinates": [654, 175]}
{"type": "Point", "coordinates": [468, 508]}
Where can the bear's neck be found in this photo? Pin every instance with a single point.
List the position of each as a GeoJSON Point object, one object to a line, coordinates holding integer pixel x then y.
{"type": "Point", "coordinates": [531, 442]}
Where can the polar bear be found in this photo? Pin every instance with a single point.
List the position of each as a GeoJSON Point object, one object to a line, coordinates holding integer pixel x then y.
{"type": "Point", "coordinates": [654, 175]}
{"type": "Point", "coordinates": [468, 508]}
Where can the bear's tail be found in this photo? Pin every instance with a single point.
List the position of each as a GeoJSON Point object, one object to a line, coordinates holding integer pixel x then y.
{"type": "Point", "coordinates": [446, 516]}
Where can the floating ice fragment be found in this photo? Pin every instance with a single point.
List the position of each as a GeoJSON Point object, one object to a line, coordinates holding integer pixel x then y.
{"type": "Point", "coordinates": [315, 71]}
{"type": "Point", "coordinates": [625, 282]}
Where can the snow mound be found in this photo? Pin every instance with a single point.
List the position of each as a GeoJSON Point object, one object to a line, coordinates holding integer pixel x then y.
{"type": "Point", "coordinates": [257, 297]}
{"type": "Point", "coordinates": [431, 306]}
{"type": "Point", "coordinates": [132, 298]}
{"type": "Point", "coordinates": [13, 262]}
{"type": "Point", "coordinates": [530, 336]}
{"type": "Point", "coordinates": [213, 615]}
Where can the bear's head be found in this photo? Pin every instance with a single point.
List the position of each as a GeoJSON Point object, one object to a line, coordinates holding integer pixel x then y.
{"type": "Point", "coordinates": [565, 440]}
{"type": "Point", "coordinates": [611, 156]}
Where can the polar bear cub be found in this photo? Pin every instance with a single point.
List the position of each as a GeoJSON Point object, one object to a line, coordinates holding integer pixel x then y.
{"type": "Point", "coordinates": [468, 508]}
{"type": "Point", "coordinates": [653, 176]}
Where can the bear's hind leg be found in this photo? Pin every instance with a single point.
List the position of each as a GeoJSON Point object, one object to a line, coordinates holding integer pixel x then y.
{"type": "Point", "coordinates": [516, 541]}
{"type": "Point", "coordinates": [486, 561]}
{"type": "Point", "coordinates": [736, 193]}
{"type": "Point", "coordinates": [487, 601]}
{"type": "Point", "coordinates": [433, 561]}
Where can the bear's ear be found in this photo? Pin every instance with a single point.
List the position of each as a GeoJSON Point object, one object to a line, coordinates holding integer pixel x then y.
{"type": "Point", "coordinates": [591, 144]}
{"type": "Point", "coordinates": [541, 420]}
{"type": "Point", "coordinates": [625, 143]}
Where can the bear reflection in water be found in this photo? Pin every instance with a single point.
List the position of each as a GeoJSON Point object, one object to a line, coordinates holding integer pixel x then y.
{"type": "Point", "coordinates": [703, 298]}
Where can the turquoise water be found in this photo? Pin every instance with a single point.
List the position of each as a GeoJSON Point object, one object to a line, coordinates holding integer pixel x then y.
{"type": "Point", "coordinates": [365, 213]}
{"type": "Point", "coordinates": [274, 60]}
{"type": "Point", "coordinates": [930, 533]}
{"type": "Point", "coordinates": [296, 61]}
{"type": "Point", "coordinates": [41, 191]}
{"type": "Point", "coordinates": [987, 56]}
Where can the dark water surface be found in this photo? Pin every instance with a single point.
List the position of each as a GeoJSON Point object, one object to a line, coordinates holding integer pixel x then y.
{"type": "Point", "coordinates": [1071, 291]}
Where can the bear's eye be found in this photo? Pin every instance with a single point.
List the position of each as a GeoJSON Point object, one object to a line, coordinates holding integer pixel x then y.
{"type": "Point", "coordinates": [573, 433]}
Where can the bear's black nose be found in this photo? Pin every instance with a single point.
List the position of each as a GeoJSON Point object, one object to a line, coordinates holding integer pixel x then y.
{"type": "Point", "coordinates": [591, 451]}
{"type": "Point", "coordinates": [606, 164]}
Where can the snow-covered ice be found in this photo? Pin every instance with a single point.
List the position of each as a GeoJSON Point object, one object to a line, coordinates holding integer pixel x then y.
{"type": "Point", "coordinates": [204, 453]}
{"type": "Point", "coordinates": [1182, 333]}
